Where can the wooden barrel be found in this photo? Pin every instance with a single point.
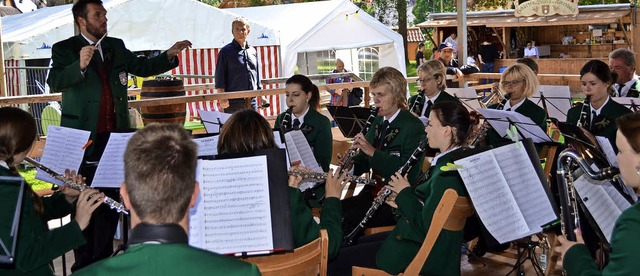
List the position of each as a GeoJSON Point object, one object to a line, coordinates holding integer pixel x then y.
{"type": "Point", "coordinates": [162, 88]}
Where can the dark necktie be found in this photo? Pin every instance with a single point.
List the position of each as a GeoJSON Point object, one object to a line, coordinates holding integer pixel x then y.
{"type": "Point", "coordinates": [428, 109]}
{"type": "Point", "coordinates": [593, 119]}
{"type": "Point", "coordinates": [382, 132]}
{"type": "Point", "coordinates": [296, 124]}
{"type": "Point", "coordinates": [620, 86]}
{"type": "Point", "coordinates": [508, 109]}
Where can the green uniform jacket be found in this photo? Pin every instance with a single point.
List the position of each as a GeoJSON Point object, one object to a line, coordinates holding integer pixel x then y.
{"type": "Point", "coordinates": [625, 248]}
{"type": "Point", "coordinates": [305, 228]}
{"type": "Point", "coordinates": [606, 127]}
{"type": "Point", "coordinates": [403, 137]}
{"type": "Point", "coordinates": [37, 245]}
{"type": "Point", "coordinates": [443, 97]}
{"type": "Point", "coordinates": [414, 220]}
{"type": "Point", "coordinates": [81, 93]}
{"type": "Point", "coordinates": [529, 109]}
{"type": "Point", "coordinates": [317, 130]}
{"type": "Point", "coordinates": [169, 259]}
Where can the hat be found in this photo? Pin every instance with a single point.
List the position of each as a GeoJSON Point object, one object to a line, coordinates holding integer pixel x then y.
{"type": "Point", "coordinates": [445, 46]}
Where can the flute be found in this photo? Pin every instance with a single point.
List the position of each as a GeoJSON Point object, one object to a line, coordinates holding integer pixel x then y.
{"type": "Point", "coordinates": [80, 187]}
{"type": "Point", "coordinates": [321, 176]}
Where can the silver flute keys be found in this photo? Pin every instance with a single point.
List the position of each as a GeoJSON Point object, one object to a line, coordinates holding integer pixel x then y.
{"type": "Point", "coordinates": [321, 176]}
{"type": "Point", "coordinates": [80, 187]}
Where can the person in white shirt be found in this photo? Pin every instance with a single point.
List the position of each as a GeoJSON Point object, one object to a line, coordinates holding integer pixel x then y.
{"type": "Point", "coordinates": [453, 40]}
{"type": "Point", "coordinates": [623, 63]}
{"type": "Point", "coordinates": [531, 51]}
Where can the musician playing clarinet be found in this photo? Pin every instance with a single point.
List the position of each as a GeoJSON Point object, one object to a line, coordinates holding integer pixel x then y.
{"type": "Point", "coordinates": [431, 85]}
{"type": "Point", "coordinates": [625, 245]}
{"type": "Point", "coordinates": [303, 98]}
{"type": "Point", "coordinates": [598, 112]}
{"type": "Point", "coordinates": [394, 135]}
{"type": "Point", "coordinates": [449, 126]}
{"type": "Point", "coordinates": [37, 246]}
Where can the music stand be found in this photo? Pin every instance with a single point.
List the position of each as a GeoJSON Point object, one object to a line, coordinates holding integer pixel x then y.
{"type": "Point", "coordinates": [502, 120]}
{"type": "Point", "coordinates": [584, 142]}
{"type": "Point", "coordinates": [11, 192]}
{"type": "Point", "coordinates": [467, 96]}
{"type": "Point", "coordinates": [555, 100]}
{"type": "Point", "coordinates": [629, 102]}
{"type": "Point", "coordinates": [213, 120]}
{"type": "Point", "coordinates": [350, 120]}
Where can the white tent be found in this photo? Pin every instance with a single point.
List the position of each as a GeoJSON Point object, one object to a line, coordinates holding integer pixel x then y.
{"type": "Point", "coordinates": [326, 25]}
{"type": "Point", "coordinates": [142, 24]}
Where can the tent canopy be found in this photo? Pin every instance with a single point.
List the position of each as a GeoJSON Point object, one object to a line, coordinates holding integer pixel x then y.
{"type": "Point", "coordinates": [142, 24]}
{"type": "Point", "coordinates": [326, 25]}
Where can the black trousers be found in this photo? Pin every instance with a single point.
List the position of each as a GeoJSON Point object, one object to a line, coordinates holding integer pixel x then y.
{"type": "Point", "coordinates": [354, 209]}
{"type": "Point", "coordinates": [362, 254]}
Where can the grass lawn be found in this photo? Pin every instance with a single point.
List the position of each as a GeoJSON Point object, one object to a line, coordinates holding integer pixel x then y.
{"type": "Point", "coordinates": [30, 177]}
{"type": "Point", "coordinates": [411, 72]}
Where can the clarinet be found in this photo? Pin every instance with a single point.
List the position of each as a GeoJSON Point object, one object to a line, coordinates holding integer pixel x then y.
{"type": "Point", "coordinates": [416, 107]}
{"type": "Point", "coordinates": [352, 152]}
{"type": "Point", "coordinates": [80, 187]}
{"type": "Point", "coordinates": [320, 176]}
{"type": "Point", "coordinates": [378, 201]}
{"type": "Point", "coordinates": [582, 122]}
{"type": "Point", "coordinates": [286, 121]}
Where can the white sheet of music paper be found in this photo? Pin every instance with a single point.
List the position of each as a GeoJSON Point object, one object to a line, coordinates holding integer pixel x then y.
{"type": "Point", "coordinates": [232, 214]}
{"type": "Point", "coordinates": [606, 147]}
{"type": "Point", "coordinates": [303, 149]}
{"type": "Point", "coordinates": [604, 209]}
{"type": "Point", "coordinates": [110, 171]}
{"type": "Point", "coordinates": [63, 149]}
{"type": "Point", "coordinates": [467, 96]}
{"type": "Point", "coordinates": [500, 120]}
{"type": "Point", "coordinates": [558, 100]}
{"type": "Point", "coordinates": [281, 145]}
{"type": "Point", "coordinates": [207, 145]}
{"type": "Point", "coordinates": [213, 119]}
{"type": "Point", "coordinates": [506, 192]}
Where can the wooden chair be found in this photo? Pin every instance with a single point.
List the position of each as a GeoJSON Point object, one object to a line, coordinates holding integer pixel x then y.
{"type": "Point", "coordinates": [451, 214]}
{"type": "Point", "coordinates": [309, 259]}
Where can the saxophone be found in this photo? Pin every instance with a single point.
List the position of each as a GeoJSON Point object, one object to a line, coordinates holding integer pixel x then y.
{"type": "Point", "coordinates": [80, 187]}
{"type": "Point", "coordinates": [582, 122]}
{"type": "Point", "coordinates": [350, 239]}
{"type": "Point", "coordinates": [347, 159]}
{"type": "Point", "coordinates": [320, 176]}
{"type": "Point", "coordinates": [568, 199]}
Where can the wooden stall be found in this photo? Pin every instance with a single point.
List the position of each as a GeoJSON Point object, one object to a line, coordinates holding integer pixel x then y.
{"type": "Point", "coordinates": [592, 34]}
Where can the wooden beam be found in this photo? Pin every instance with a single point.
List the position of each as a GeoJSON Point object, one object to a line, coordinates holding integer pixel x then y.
{"type": "Point", "coordinates": [499, 38]}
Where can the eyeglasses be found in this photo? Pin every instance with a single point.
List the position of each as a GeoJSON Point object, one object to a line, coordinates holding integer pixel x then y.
{"type": "Point", "coordinates": [513, 82]}
{"type": "Point", "coordinates": [424, 80]}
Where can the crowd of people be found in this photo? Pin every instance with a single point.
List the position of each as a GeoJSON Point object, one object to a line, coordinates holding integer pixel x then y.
{"type": "Point", "coordinates": [160, 160]}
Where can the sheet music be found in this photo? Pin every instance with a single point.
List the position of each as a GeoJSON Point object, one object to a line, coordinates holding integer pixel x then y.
{"type": "Point", "coordinates": [607, 149]}
{"type": "Point", "coordinates": [280, 144]}
{"type": "Point", "coordinates": [525, 185]}
{"type": "Point", "coordinates": [63, 149]}
{"type": "Point", "coordinates": [491, 196]}
{"type": "Point", "coordinates": [558, 100]}
{"type": "Point", "coordinates": [467, 96]}
{"type": "Point", "coordinates": [425, 120]}
{"type": "Point", "coordinates": [212, 120]}
{"type": "Point", "coordinates": [617, 198]}
{"type": "Point", "coordinates": [499, 120]}
{"type": "Point", "coordinates": [207, 145]}
{"type": "Point", "coordinates": [601, 206]}
{"type": "Point", "coordinates": [110, 171]}
{"type": "Point", "coordinates": [233, 212]}
{"type": "Point", "coordinates": [301, 146]}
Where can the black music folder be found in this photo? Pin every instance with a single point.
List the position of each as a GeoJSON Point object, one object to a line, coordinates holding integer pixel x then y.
{"type": "Point", "coordinates": [230, 205]}
{"type": "Point", "coordinates": [508, 189]}
{"type": "Point", "coordinates": [351, 120]}
{"type": "Point", "coordinates": [11, 196]}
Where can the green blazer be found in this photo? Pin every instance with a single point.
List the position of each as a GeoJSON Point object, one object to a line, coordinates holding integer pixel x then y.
{"type": "Point", "coordinates": [305, 228]}
{"type": "Point", "coordinates": [81, 92]}
{"type": "Point", "coordinates": [625, 247]}
{"type": "Point", "coordinates": [169, 259]}
{"type": "Point", "coordinates": [443, 97]}
{"type": "Point", "coordinates": [317, 130]}
{"type": "Point", "coordinates": [37, 245]}
{"type": "Point", "coordinates": [529, 109]}
{"type": "Point", "coordinates": [403, 137]}
{"type": "Point", "coordinates": [606, 126]}
{"type": "Point", "coordinates": [414, 219]}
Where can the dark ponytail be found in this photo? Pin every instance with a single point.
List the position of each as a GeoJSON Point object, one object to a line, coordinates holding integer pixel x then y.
{"type": "Point", "coordinates": [455, 115]}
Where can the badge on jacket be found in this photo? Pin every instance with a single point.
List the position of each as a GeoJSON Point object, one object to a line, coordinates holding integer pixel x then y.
{"type": "Point", "coordinates": [123, 78]}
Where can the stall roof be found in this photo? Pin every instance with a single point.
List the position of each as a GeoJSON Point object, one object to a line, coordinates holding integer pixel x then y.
{"type": "Point", "coordinates": [593, 14]}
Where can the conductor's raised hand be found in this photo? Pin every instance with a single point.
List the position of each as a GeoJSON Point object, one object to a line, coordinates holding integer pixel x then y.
{"type": "Point", "coordinates": [361, 143]}
{"type": "Point", "coordinates": [86, 54]}
{"type": "Point", "coordinates": [177, 48]}
{"type": "Point", "coordinates": [335, 183]}
{"type": "Point", "coordinates": [88, 201]}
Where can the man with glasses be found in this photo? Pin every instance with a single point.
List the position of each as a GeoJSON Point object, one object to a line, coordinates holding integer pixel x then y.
{"type": "Point", "coordinates": [622, 62]}
{"type": "Point", "coordinates": [446, 57]}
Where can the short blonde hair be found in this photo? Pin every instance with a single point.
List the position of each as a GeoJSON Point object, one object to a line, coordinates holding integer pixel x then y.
{"type": "Point", "coordinates": [435, 68]}
{"type": "Point", "coordinates": [521, 71]}
{"type": "Point", "coordinates": [396, 81]}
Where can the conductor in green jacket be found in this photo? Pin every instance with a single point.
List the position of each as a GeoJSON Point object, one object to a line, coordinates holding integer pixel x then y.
{"type": "Point", "coordinates": [159, 188]}
{"type": "Point", "coordinates": [91, 69]}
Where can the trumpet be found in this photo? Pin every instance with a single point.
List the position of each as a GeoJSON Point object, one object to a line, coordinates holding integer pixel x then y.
{"type": "Point", "coordinates": [320, 176]}
{"type": "Point", "coordinates": [80, 187]}
{"type": "Point", "coordinates": [347, 159]}
{"type": "Point", "coordinates": [496, 96]}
